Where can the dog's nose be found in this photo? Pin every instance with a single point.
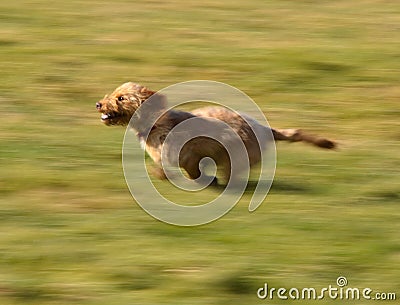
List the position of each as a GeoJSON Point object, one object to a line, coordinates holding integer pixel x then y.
{"type": "Point", "coordinates": [98, 105]}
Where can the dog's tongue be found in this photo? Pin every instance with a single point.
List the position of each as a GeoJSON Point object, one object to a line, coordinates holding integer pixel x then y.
{"type": "Point", "coordinates": [104, 116]}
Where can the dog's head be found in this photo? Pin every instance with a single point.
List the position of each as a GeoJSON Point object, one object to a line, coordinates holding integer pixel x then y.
{"type": "Point", "coordinates": [118, 107]}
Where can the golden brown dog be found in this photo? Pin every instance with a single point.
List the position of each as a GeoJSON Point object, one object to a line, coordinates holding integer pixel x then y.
{"type": "Point", "coordinates": [118, 108]}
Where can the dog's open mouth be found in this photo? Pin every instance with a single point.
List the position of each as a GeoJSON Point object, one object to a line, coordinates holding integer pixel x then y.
{"type": "Point", "coordinates": [109, 116]}
{"type": "Point", "coordinates": [114, 118]}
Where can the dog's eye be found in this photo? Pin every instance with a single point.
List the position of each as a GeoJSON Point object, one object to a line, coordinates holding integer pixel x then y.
{"type": "Point", "coordinates": [121, 98]}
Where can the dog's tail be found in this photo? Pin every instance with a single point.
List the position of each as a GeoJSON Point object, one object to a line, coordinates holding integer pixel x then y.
{"type": "Point", "coordinates": [297, 135]}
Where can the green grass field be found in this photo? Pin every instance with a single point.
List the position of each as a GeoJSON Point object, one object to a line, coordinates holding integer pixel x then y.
{"type": "Point", "coordinates": [70, 230]}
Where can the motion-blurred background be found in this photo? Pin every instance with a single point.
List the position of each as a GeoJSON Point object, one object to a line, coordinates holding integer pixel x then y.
{"type": "Point", "coordinates": [70, 230]}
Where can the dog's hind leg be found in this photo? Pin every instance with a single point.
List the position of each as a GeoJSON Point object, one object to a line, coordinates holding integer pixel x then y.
{"type": "Point", "coordinates": [192, 167]}
{"type": "Point", "coordinates": [297, 135]}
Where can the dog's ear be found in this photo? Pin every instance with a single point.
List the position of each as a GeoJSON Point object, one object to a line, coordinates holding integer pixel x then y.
{"type": "Point", "coordinates": [151, 105]}
{"type": "Point", "coordinates": [155, 102]}
{"type": "Point", "coordinates": [144, 94]}
{"type": "Point", "coordinates": [149, 111]}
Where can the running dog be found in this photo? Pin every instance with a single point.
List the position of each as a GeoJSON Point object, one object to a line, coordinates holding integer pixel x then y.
{"type": "Point", "coordinates": [153, 122]}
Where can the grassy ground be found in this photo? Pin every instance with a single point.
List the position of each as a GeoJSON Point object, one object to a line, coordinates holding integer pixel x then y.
{"type": "Point", "coordinates": [70, 231]}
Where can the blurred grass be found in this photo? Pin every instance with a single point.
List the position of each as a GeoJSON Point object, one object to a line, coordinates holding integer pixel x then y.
{"type": "Point", "coordinates": [70, 232]}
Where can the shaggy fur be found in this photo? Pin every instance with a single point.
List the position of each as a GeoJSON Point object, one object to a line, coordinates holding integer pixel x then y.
{"type": "Point", "coordinates": [118, 108]}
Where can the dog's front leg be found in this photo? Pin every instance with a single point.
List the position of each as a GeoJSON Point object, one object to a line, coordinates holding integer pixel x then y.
{"type": "Point", "coordinates": [157, 171]}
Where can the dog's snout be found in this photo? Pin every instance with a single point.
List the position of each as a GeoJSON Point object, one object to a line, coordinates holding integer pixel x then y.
{"type": "Point", "coordinates": [98, 105]}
